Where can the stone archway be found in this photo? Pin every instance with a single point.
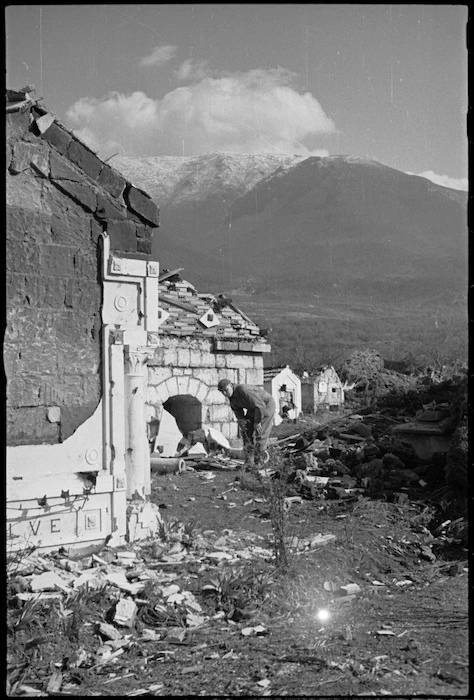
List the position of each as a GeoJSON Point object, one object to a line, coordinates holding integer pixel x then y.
{"type": "Point", "coordinates": [186, 410]}
{"type": "Point", "coordinates": [202, 396]}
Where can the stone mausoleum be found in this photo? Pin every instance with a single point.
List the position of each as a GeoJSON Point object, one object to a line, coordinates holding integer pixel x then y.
{"type": "Point", "coordinates": [203, 338]}
{"type": "Point", "coordinates": [97, 343]}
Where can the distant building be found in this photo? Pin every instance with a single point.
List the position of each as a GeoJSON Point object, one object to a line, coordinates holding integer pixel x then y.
{"type": "Point", "coordinates": [285, 387]}
{"type": "Point", "coordinates": [322, 391]}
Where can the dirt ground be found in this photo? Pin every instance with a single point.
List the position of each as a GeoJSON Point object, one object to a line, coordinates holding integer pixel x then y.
{"type": "Point", "coordinates": [393, 639]}
{"type": "Point", "coordinates": [400, 627]}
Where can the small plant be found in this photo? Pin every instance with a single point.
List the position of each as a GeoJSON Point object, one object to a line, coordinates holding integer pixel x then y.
{"type": "Point", "coordinates": [189, 534]}
{"type": "Point", "coordinates": [16, 555]}
{"type": "Point", "coordinates": [274, 483]}
{"type": "Point", "coordinates": [76, 610]}
{"type": "Point", "coordinates": [236, 590]}
{"type": "Point", "coordinates": [27, 617]}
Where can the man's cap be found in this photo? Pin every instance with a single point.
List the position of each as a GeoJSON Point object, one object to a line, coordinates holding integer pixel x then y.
{"type": "Point", "coordinates": [223, 383]}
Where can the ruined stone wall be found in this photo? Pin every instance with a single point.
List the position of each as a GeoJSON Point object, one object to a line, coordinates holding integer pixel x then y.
{"type": "Point", "coordinates": [328, 389]}
{"type": "Point", "coordinates": [189, 366]}
{"type": "Point", "coordinates": [60, 197]}
{"type": "Point", "coordinates": [52, 338]}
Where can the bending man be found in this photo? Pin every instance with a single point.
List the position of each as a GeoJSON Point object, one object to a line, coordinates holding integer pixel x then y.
{"type": "Point", "coordinates": [254, 409]}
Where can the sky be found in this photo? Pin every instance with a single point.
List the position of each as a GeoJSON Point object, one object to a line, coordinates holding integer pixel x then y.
{"type": "Point", "coordinates": [378, 81]}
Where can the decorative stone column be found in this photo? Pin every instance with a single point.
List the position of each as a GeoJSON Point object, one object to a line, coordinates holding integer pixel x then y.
{"type": "Point", "coordinates": [137, 457]}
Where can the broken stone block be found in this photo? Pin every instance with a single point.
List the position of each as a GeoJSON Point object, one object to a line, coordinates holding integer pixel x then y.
{"type": "Point", "coordinates": [194, 620]}
{"type": "Point", "coordinates": [54, 683]}
{"type": "Point", "coordinates": [48, 581]}
{"type": "Point", "coordinates": [258, 630]}
{"type": "Point", "coordinates": [176, 634]}
{"type": "Point", "coordinates": [84, 158]}
{"type": "Point", "coordinates": [177, 598]}
{"type": "Point", "coordinates": [350, 589]}
{"type": "Point", "coordinates": [150, 635]}
{"type": "Point", "coordinates": [43, 123]}
{"type": "Point", "coordinates": [111, 181]}
{"type": "Point", "coordinates": [109, 631]}
{"type": "Point", "coordinates": [214, 436]}
{"type": "Point", "coordinates": [166, 591]}
{"type": "Point", "coordinates": [120, 580]}
{"type": "Point", "coordinates": [126, 558]}
{"type": "Point", "coordinates": [142, 204]}
{"type": "Point", "coordinates": [125, 612]}
{"type": "Point", "coordinates": [92, 578]}
{"type": "Point", "coordinates": [197, 449]}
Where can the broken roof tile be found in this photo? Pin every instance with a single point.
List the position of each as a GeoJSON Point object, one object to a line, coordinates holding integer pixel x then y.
{"type": "Point", "coordinates": [185, 306]}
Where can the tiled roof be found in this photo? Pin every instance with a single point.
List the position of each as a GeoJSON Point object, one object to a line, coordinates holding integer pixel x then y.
{"type": "Point", "coordinates": [186, 307]}
{"type": "Point", "coordinates": [314, 377]}
{"type": "Point", "coordinates": [271, 372]}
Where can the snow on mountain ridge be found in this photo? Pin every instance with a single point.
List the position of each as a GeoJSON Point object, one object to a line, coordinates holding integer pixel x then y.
{"type": "Point", "coordinates": [171, 179]}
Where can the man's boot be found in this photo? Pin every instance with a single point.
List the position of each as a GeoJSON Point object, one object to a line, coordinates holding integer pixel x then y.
{"type": "Point", "coordinates": [261, 456]}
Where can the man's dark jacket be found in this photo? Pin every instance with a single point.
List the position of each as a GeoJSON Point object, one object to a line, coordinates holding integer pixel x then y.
{"type": "Point", "coordinates": [258, 402]}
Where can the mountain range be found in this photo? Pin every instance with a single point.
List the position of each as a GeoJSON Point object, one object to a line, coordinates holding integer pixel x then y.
{"type": "Point", "coordinates": [288, 236]}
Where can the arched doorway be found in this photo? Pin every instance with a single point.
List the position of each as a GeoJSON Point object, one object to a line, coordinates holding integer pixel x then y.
{"type": "Point", "coordinates": [186, 410]}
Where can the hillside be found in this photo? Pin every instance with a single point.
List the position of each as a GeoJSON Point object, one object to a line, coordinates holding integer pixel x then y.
{"type": "Point", "coordinates": [337, 240]}
{"type": "Point", "coordinates": [356, 226]}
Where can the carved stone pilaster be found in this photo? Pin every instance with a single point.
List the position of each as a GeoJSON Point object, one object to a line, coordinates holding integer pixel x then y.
{"type": "Point", "coordinates": [137, 460]}
{"type": "Point", "coordinates": [136, 360]}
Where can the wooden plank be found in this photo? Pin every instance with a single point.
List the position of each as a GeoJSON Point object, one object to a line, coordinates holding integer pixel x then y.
{"type": "Point", "coordinates": [165, 275]}
{"type": "Point", "coordinates": [179, 304]}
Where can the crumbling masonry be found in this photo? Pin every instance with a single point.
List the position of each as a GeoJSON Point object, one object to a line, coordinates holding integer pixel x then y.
{"type": "Point", "coordinates": [91, 357]}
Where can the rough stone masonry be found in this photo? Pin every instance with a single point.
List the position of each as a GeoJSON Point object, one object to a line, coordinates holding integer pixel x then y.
{"type": "Point", "coordinates": [60, 196]}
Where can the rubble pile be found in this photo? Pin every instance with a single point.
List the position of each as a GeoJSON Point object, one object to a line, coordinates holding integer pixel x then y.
{"type": "Point", "coordinates": [200, 449]}
{"type": "Point", "coordinates": [102, 604]}
{"type": "Point", "coordinates": [378, 453]}
{"type": "Point", "coordinates": [366, 373]}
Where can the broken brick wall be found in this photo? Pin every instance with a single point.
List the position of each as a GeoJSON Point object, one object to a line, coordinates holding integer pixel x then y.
{"type": "Point", "coordinates": [60, 196]}
{"type": "Point", "coordinates": [191, 367]}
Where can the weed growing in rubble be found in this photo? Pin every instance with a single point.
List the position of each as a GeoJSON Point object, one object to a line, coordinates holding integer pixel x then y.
{"type": "Point", "coordinates": [41, 632]}
{"type": "Point", "coordinates": [26, 618]}
{"type": "Point", "coordinates": [238, 591]}
{"type": "Point", "coordinates": [174, 530]}
{"type": "Point", "coordinates": [274, 482]}
{"type": "Point", "coordinates": [75, 610]}
{"type": "Point", "coordinates": [16, 556]}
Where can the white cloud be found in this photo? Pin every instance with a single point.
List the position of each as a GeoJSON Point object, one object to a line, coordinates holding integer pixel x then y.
{"type": "Point", "coordinates": [193, 70]}
{"type": "Point", "coordinates": [454, 183]}
{"type": "Point", "coordinates": [159, 56]}
{"type": "Point", "coordinates": [115, 122]}
{"type": "Point", "coordinates": [255, 112]}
